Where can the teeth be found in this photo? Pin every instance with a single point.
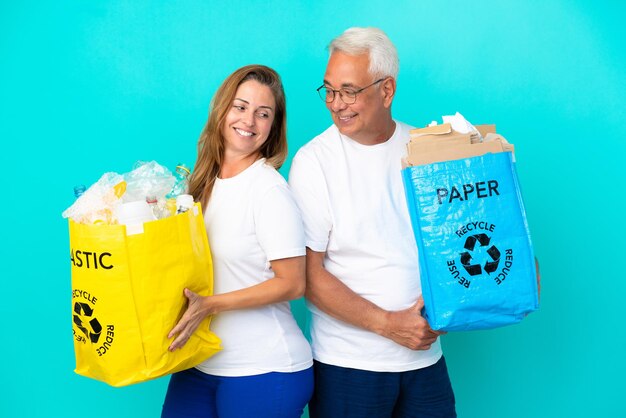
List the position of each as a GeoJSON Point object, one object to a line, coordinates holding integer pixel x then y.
{"type": "Point", "coordinates": [345, 117]}
{"type": "Point", "coordinates": [243, 133]}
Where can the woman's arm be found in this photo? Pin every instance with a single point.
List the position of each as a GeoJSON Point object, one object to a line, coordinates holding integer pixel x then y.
{"type": "Point", "coordinates": [288, 283]}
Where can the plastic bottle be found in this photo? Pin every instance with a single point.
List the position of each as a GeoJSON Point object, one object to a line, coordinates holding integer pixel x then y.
{"type": "Point", "coordinates": [184, 202]}
{"type": "Point", "coordinates": [79, 190]}
{"type": "Point", "coordinates": [182, 181]}
{"type": "Point", "coordinates": [158, 208]}
{"type": "Point", "coordinates": [133, 215]}
{"type": "Point", "coordinates": [170, 205]}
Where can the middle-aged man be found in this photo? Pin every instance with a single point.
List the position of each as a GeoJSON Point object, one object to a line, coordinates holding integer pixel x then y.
{"type": "Point", "coordinates": [375, 355]}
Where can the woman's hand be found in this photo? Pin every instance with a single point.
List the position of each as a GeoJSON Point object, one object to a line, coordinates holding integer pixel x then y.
{"type": "Point", "coordinates": [288, 284]}
{"type": "Point", "coordinates": [197, 310]}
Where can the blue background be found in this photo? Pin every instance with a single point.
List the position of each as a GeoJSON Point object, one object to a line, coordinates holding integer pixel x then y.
{"type": "Point", "coordinates": [89, 87]}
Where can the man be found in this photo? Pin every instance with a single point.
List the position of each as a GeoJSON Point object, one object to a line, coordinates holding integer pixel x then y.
{"type": "Point", "coordinates": [375, 355]}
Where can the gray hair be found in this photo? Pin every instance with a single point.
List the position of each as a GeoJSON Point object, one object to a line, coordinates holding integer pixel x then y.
{"type": "Point", "coordinates": [382, 53]}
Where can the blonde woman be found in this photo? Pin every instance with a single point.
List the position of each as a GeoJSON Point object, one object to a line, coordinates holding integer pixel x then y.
{"type": "Point", "coordinates": [257, 242]}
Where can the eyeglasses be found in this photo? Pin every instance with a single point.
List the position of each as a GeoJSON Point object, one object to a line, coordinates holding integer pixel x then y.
{"type": "Point", "coordinates": [348, 96]}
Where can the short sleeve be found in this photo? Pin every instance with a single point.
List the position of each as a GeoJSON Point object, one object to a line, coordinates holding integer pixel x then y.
{"type": "Point", "coordinates": [308, 185]}
{"type": "Point", "coordinates": [278, 224]}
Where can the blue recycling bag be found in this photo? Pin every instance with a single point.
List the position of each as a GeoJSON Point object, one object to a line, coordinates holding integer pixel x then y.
{"type": "Point", "coordinates": [477, 265]}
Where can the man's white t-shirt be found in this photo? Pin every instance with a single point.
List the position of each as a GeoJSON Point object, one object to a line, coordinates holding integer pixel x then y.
{"type": "Point", "coordinates": [251, 219]}
{"type": "Point", "coordinates": [352, 201]}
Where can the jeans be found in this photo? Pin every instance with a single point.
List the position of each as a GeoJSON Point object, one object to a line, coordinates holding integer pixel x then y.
{"type": "Point", "coordinates": [350, 393]}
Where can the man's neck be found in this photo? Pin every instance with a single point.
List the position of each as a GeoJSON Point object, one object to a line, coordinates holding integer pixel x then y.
{"type": "Point", "coordinates": [381, 135]}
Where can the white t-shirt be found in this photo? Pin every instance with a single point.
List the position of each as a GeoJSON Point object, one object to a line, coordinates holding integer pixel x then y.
{"type": "Point", "coordinates": [352, 201]}
{"type": "Point", "coordinates": [251, 219]}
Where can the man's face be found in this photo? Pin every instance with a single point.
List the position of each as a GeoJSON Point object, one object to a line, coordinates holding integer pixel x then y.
{"type": "Point", "coordinates": [366, 120]}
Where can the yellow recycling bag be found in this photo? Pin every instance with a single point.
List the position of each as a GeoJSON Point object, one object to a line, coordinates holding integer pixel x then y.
{"type": "Point", "coordinates": [127, 294]}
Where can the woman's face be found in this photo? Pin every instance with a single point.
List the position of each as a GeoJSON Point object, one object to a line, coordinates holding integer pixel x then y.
{"type": "Point", "coordinates": [249, 121]}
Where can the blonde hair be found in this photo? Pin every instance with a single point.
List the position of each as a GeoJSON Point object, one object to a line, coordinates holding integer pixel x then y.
{"type": "Point", "coordinates": [211, 142]}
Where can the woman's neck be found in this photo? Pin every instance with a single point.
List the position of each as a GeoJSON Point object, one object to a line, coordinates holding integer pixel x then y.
{"type": "Point", "coordinates": [235, 164]}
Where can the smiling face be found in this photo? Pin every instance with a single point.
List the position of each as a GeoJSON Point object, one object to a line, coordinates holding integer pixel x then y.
{"type": "Point", "coordinates": [249, 121]}
{"type": "Point", "coordinates": [368, 120]}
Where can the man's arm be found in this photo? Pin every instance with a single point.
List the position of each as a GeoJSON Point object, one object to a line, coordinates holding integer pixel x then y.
{"type": "Point", "coordinates": [406, 327]}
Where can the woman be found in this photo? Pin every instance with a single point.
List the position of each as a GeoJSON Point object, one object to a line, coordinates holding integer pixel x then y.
{"type": "Point", "coordinates": [257, 242]}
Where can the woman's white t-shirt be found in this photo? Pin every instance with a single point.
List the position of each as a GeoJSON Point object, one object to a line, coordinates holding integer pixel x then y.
{"type": "Point", "coordinates": [251, 219]}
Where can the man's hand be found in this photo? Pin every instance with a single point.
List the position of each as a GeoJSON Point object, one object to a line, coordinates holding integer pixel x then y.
{"type": "Point", "coordinates": [409, 328]}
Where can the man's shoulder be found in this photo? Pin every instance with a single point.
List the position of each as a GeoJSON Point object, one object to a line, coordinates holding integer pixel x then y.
{"type": "Point", "coordinates": [403, 127]}
{"type": "Point", "coordinates": [319, 145]}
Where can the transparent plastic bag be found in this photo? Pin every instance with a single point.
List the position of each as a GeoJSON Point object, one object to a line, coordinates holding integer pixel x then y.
{"type": "Point", "coordinates": [148, 179]}
{"type": "Point", "coordinates": [97, 204]}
